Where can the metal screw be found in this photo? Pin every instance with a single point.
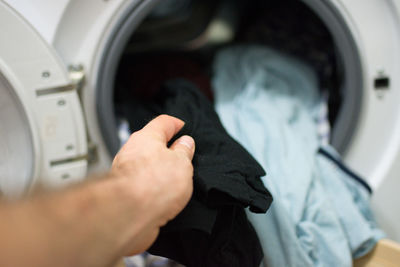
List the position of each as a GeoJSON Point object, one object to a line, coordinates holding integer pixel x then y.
{"type": "Point", "coordinates": [380, 94]}
{"type": "Point", "coordinates": [46, 74]}
{"type": "Point", "coordinates": [61, 102]}
{"type": "Point", "coordinates": [69, 147]}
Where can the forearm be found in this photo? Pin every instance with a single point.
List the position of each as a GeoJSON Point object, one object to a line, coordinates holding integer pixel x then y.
{"type": "Point", "coordinates": [83, 226]}
{"type": "Point", "coordinates": [96, 223]}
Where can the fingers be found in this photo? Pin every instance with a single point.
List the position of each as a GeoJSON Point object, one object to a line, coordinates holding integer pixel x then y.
{"type": "Point", "coordinates": [164, 126]}
{"type": "Point", "coordinates": [185, 145]}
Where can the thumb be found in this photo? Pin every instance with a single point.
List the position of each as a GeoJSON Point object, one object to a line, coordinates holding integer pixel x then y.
{"type": "Point", "coordinates": [185, 145]}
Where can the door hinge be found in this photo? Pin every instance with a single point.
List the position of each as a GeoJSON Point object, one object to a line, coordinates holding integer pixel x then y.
{"type": "Point", "coordinates": [77, 76]}
{"type": "Point", "coordinates": [93, 153]}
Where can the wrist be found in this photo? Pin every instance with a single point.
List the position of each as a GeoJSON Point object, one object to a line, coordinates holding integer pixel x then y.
{"type": "Point", "coordinates": [129, 215]}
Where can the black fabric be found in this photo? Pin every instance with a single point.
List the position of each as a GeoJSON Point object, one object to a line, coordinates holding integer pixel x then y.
{"type": "Point", "coordinates": [213, 229]}
{"type": "Point", "coordinates": [233, 242]}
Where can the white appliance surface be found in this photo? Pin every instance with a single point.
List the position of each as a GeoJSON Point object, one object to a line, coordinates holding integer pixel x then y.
{"type": "Point", "coordinates": [43, 15]}
{"type": "Point", "coordinates": [49, 106]}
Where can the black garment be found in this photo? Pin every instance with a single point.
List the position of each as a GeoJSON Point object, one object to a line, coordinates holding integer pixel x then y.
{"type": "Point", "coordinates": [213, 229]}
{"type": "Point", "coordinates": [232, 242]}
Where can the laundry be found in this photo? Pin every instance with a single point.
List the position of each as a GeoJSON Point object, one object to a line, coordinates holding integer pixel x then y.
{"type": "Point", "coordinates": [321, 117]}
{"type": "Point", "coordinates": [275, 25]}
{"type": "Point", "coordinates": [147, 260]}
{"type": "Point", "coordinates": [173, 26]}
{"type": "Point", "coordinates": [320, 216]}
{"type": "Point", "coordinates": [213, 229]}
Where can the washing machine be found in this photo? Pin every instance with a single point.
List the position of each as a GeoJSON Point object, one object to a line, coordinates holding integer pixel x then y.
{"type": "Point", "coordinates": [58, 62]}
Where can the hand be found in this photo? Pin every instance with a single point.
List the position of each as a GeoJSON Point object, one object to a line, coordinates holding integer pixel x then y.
{"type": "Point", "coordinates": [100, 221]}
{"type": "Point", "coordinates": [160, 177]}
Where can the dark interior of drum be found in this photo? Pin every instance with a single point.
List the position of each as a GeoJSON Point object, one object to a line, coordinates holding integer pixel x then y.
{"type": "Point", "coordinates": [193, 30]}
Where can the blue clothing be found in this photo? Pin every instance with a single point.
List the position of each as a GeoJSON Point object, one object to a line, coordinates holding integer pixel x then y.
{"type": "Point", "coordinates": [269, 103]}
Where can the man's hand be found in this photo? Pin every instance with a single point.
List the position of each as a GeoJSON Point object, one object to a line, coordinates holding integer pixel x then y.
{"type": "Point", "coordinates": [160, 177]}
{"type": "Point", "coordinates": [96, 223]}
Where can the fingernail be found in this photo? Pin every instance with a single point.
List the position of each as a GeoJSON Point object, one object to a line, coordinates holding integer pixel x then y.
{"type": "Point", "coordinates": [186, 141]}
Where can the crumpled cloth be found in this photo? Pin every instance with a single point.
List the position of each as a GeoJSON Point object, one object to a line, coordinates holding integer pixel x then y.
{"type": "Point", "coordinates": [320, 216]}
{"type": "Point", "coordinates": [213, 229]}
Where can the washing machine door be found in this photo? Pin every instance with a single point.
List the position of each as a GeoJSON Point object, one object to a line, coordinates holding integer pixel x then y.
{"type": "Point", "coordinates": [42, 130]}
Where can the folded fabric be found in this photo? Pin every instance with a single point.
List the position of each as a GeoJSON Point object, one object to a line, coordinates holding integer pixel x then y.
{"type": "Point", "coordinates": [213, 229]}
{"type": "Point", "coordinates": [320, 215]}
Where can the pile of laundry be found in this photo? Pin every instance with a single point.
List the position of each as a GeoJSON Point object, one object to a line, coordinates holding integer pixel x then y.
{"type": "Point", "coordinates": [262, 132]}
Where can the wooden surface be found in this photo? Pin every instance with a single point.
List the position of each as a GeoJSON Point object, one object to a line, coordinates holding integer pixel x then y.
{"type": "Point", "coordinates": [385, 254]}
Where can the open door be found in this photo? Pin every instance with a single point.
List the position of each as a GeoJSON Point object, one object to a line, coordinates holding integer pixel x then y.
{"type": "Point", "coordinates": [42, 131]}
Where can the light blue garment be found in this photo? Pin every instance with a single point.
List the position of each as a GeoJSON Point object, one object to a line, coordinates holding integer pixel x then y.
{"type": "Point", "coordinates": [269, 103]}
